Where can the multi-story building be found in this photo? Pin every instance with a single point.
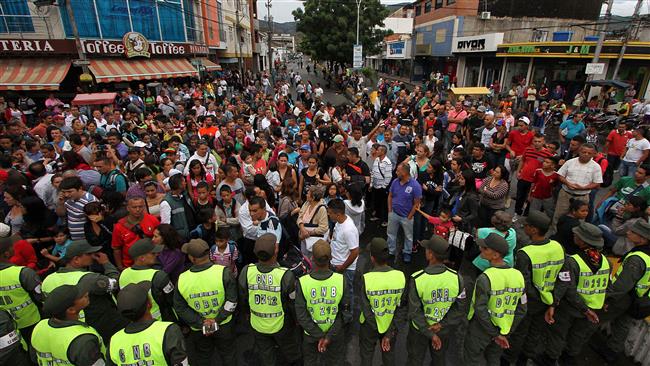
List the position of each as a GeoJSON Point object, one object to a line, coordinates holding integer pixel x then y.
{"type": "Point", "coordinates": [396, 57]}
{"type": "Point", "coordinates": [547, 41]}
{"type": "Point", "coordinates": [238, 34]}
{"type": "Point", "coordinates": [123, 41]}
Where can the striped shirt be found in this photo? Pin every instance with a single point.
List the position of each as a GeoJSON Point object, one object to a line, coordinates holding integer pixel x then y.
{"type": "Point", "coordinates": [76, 216]}
{"type": "Point", "coordinates": [532, 160]}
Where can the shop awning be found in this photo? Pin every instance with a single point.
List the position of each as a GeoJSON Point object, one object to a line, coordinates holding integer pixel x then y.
{"type": "Point", "coordinates": [108, 70]}
{"type": "Point", "coordinates": [477, 90]}
{"type": "Point", "coordinates": [94, 99]}
{"type": "Point", "coordinates": [32, 74]}
{"type": "Point", "coordinates": [209, 65]}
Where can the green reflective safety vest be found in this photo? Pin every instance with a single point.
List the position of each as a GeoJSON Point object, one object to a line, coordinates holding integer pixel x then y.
{"type": "Point", "coordinates": [437, 292]}
{"type": "Point", "coordinates": [15, 300]}
{"type": "Point", "coordinates": [643, 284]}
{"type": "Point", "coordinates": [51, 344]}
{"type": "Point", "coordinates": [384, 292]}
{"type": "Point", "coordinates": [546, 261]}
{"type": "Point", "coordinates": [58, 279]}
{"type": "Point", "coordinates": [506, 288]}
{"type": "Point", "coordinates": [265, 299]}
{"type": "Point", "coordinates": [592, 286]}
{"type": "Point", "coordinates": [141, 348]}
{"type": "Point", "coordinates": [322, 298]}
{"type": "Point", "coordinates": [204, 291]}
{"type": "Point", "coordinates": [130, 275]}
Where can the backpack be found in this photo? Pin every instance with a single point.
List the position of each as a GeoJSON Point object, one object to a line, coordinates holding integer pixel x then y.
{"type": "Point", "coordinates": [98, 190]}
{"type": "Point", "coordinates": [296, 262]}
{"type": "Point", "coordinates": [608, 174]}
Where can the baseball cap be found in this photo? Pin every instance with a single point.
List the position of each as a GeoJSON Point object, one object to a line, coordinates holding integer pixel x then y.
{"type": "Point", "coordinates": [436, 244]}
{"type": "Point", "coordinates": [139, 144]}
{"type": "Point", "coordinates": [524, 119]}
{"type": "Point", "coordinates": [379, 248]}
{"type": "Point", "coordinates": [197, 248]}
{"type": "Point", "coordinates": [5, 230]}
{"type": "Point", "coordinates": [305, 147]}
{"type": "Point", "coordinates": [337, 138]}
{"type": "Point", "coordinates": [61, 298]}
{"type": "Point", "coordinates": [144, 246]}
{"type": "Point", "coordinates": [265, 246]}
{"type": "Point", "coordinates": [538, 219]}
{"type": "Point", "coordinates": [170, 150]}
{"type": "Point", "coordinates": [79, 247]}
{"type": "Point", "coordinates": [495, 242]}
{"type": "Point", "coordinates": [321, 250]}
{"type": "Point", "coordinates": [642, 228]}
{"type": "Point", "coordinates": [590, 234]}
{"type": "Point", "coordinates": [133, 297]}
{"type": "Point", "coordinates": [481, 109]}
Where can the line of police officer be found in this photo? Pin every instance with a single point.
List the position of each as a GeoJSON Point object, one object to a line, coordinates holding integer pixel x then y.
{"type": "Point", "coordinates": [565, 295]}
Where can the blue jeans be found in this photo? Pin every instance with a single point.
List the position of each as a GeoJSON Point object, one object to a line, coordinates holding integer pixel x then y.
{"type": "Point", "coordinates": [627, 168]}
{"type": "Point", "coordinates": [396, 221]}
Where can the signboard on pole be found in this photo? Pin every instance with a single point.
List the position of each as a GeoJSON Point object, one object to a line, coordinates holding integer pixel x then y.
{"type": "Point", "coordinates": [594, 68]}
{"type": "Point", "coordinates": [357, 57]}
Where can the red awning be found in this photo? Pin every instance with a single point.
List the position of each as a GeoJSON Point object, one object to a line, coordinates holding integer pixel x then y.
{"type": "Point", "coordinates": [209, 65]}
{"type": "Point", "coordinates": [94, 99]}
{"type": "Point", "coordinates": [32, 74]}
{"type": "Point", "coordinates": [109, 70]}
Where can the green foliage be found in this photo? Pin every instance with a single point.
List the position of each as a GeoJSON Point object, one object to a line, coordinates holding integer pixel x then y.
{"type": "Point", "coordinates": [329, 28]}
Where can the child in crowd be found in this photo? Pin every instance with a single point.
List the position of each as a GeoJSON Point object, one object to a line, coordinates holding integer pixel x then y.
{"type": "Point", "coordinates": [61, 244]}
{"type": "Point", "coordinates": [203, 198]}
{"type": "Point", "coordinates": [224, 251]}
{"type": "Point", "coordinates": [545, 179]}
{"type": "Point", "coordinates": [332, 193]}
{"type": "Point", "coordinates": [442, 223]}
{"type": "Point", "coordinates": [227, 211]}
{"type": "Point", "coordinates": [248, 169]}
{"type": "Point", "coordinates": [207, 228]}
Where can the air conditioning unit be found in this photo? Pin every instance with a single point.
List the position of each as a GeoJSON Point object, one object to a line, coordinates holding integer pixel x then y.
{"type": "Point", "coordinates": [485, 15]}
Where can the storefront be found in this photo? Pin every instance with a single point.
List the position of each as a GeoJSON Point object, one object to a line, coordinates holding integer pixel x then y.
{"type": "Point", "coordinates": [564, 63]}
{"type": "Point", "coordinates": [397, 60]}
{"type": "Point", "coordinates": [432, 44]}
{"type": "Point", "coordinates": [477, 64]}
{"type": "Point", "coordinates": [45, 64]}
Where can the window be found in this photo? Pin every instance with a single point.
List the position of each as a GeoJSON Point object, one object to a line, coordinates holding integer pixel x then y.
{"type": "Point", "coordinates": [418, 10]}
{"type": "Point", "coordinates": [188, 10]}
{"type": "Point", "coordinates": [114, 19]}
{"type": "Point", "coordinates": [147, 18]}
{"type": "Point", "coordinates": [427, 6]}
{"type": "Point", "coordinates": [171, 21]}
{"type": "Point", "coordinates": [15, 17]}
{"type": "Point", "coordinates": [222, 30]}
{"type": "Point", "coordinates": [84, 15]}
{"type": "Point", "coordinates": [439, 4]}
{"type": "Point", "coordinates": [451, 2]}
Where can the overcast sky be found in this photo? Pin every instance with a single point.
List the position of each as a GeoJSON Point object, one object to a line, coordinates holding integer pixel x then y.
{"type": "Point", "coordinates": [281, 9]}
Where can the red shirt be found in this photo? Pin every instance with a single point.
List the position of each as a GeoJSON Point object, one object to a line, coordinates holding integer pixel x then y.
{"type": "Point", "coordinates": [617, 142]}
{"type": "Point", "coordinates": [543, 185]}
{"type": "Point", "coordinates": [123, 237]}
{"type": "Point", "coordinates": [519, 142]}
{"type": "Point", "coordinates": [24, 254]}
{"type": "Point", "coordinates": [532, 160]}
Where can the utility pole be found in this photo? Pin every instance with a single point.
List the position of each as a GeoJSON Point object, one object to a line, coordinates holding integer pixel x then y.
{"type": "Point", "coordinates": [238, 39]}
{"type": "Point", "coordinates": [269, 25]}
{"type": "Point", "coordinates": [603, 32]}
{"type": "Point", "coordinates": [634, 23]}
{"type": "Point", "coordinates": [77, 40]}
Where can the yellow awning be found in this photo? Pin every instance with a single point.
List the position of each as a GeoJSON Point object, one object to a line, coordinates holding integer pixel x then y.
{"type": "Point", "coordinates": [477, 90]}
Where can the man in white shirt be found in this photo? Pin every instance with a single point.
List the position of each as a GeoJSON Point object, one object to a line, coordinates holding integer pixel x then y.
{"type": "Point", "coordinates": [99, 120]}
{"type": "Point", "coordinates": [344, 243]}
{"type": "Point", "coordinates": [636, 152]}
{"type": "Point", "coordinates": [381, 174]}
{"type": "Point", "coordinates": [578, 177]}
{"type": "Point", "coordinates": [200, 110]}
{"type": "Point", "coordinates": [318, 91]}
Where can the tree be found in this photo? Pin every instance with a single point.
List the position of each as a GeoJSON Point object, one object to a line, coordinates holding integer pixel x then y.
{"type": "Point", "coordinates": [329, 28]}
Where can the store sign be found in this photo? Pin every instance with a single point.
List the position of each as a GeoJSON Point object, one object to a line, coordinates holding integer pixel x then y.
{"type": "Point", "coordinates": [132, 45]}
{"type": "Point", "coordinates": [480, 43]}
{"type": "Point", "coordinates": [396, 50]}
{"type": "Point", "coordinates": [357, 57]}
{"type": "Point", "coordinates": [523, 49]}
{"type": "Point", "coordinates": [581, 49]}
{"type": "Point", "coordinates": [594, 68]}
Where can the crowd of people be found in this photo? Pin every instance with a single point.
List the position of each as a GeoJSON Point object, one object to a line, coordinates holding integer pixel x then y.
{"type": "Point", "coordinates": [168, 226]}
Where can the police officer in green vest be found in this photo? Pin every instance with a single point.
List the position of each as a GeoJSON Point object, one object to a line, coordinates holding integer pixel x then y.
{"type": "Point", "coordinates": [628, 295]}
{"type": "Point", "coordinates": [319, 301]}
{"type": "Point", "coordinates": [205, 299]}
{"type": "Point", "coordinates": [63, 339]}
{"type": "Point", "coordinates": [437, 306]}
{"type": "Point", "coordinates": [20, 289]}
{"type": "Point", "coordinates": [578, 298]}
{"type": "Point", "coordinates": [382, 292]}
{"type": "Point", "coordinates": [145, 255]}
{"type": "Point", "coordinates": [269, 290]}
{"type": "Point", "coordinates": [539, 262]}
{"type": "Point", "coordinates": [498, 305]}
{"type": "Point", "coordinates": [12, 345]}
{"type": "Point", "coordinates": [101, 314]}
{"type": "Point", "coordinates": [145, 341]}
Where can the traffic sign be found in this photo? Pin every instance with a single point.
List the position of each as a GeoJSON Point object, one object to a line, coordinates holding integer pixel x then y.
{"type": "Point", "coordinates": [594, 68]}
{"type": "Point", "coordinates": [357, 57]}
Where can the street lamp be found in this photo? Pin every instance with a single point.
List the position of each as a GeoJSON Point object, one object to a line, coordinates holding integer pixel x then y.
{"type": "Point", "coordinates": [358, 11]}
